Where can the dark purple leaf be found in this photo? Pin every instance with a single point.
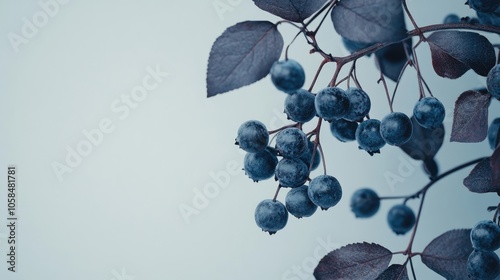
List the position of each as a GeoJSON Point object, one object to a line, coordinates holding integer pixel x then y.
{"type": "Point", "coordinates": [392, 59]}
{"type": "Point", "coordinates": [424, 142]}
{"type": "Point", "coordinates": [495, 168]}
{"type": "Point", "coordinates": [242, 55]}
{"type": "Point", "coordinates": [455, 52]}
{"type": "Point", "coordinates": [369, 21]}
{"type": "Point", "coordinates": [470, 118]}
{"type": "Point", "coordinates": [448, 253]}
{"type": "Point", "coordinates": [394, 272]}
{"type": "Point", "coordinates": [480, 180]}
{"type": "Point", "coordinates": [354, 261]}
{"type": "Point", "coordinates": [293, 10]}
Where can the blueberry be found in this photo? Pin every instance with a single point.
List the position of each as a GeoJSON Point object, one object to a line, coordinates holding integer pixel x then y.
{"type": "Point", "coordinates": [297, 202]}
{"type": "Point", "coordinates": [485, 6]}
{"type": "Point", "coordinates": [483, 265]}
{"type": "Point", "coordinates": [368, 136]}
{"type": "Point", "coordinates": [299, 106]}
{"type": "Point", "coordinates": [287, 75]}
{"type": "Point", "coordinates": [291, 173]}
{"type": "Point", "coordinates": [429, 112]}
{"type": "Point", "coordinates": [493, 81]}
{"type": "Point", "coordinates": [344, 130]}
{"type": "Point", "coordinates": [494, 133]}
{"type": "Point", "coordinates": [360, 104]}
{"type": "Point", "coordinates": [331, 103]}
{"type": "Point", "coordinates": [261, 165]}
{"type": "Point", "coordinates": [485, 236]}
{"type": "Point", "coordinates": [307, 155]}
{"type": "Point", "coordinates": [252, 136]}
{"type": "Point", "coordinates": [451, 18]}
{"type": "Point", "coordinates": [325, 191]}
{"type": "Point", "coordinates": [291, 142]}
{"type": "Point", "coordinates": [401, 219]}
{"type": "Point", "coordinates": [271, 216]}
{"type": "Point", "coordinates": [365, 203]}
{"type": "Point", "coordinates": [396, 128]}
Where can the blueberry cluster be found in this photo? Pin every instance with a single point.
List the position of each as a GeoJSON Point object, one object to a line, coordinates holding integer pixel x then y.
{"type": "Point", "coordinates": [290, 162]}
{"type": "Point", "coordinates": [293, 156]}
{"type": "Point", "coordinates": [483, 262]}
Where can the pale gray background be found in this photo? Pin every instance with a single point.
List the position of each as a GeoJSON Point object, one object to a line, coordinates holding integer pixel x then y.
{"type": "Point", "coordinates": [116, 215]}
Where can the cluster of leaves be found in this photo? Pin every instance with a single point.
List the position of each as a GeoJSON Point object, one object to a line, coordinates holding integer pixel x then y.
{"type": "Point", "coordinates": [245, 53]}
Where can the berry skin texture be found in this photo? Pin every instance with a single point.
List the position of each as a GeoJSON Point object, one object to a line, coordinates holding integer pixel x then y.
{"type": "Point", "coordinates": [291, 173]}
{"type": "Point", "coordinates": [493, 81]}
{"type": "Point", "coordinates": [287, 75]}
{"type": "Point", "coordinates": [401, 219]}
{"type": "Point", "coordinates": [368, 136]}
{"type": "Point", "coordinates": [325, 191]}
{"type": "Point", "coordinates": [493, 133]}
{"type": "Point", "coordinates": [331, 103]}
{"type": "Point", "coordinates": [291, 142]}
{"type": "Point", "coordinates": [396, 128]}
{"type": "Point", "coordinates": [485, 236]}
{"type": "Point", "coordinates": [485, 6]}
{"type": "Point", "coordinates": [344, 130]}
{"type": "Point", "coordinates": [365, 203]}
{"type": "Point", "coordinates": [271, 216]}
{"type": "Point", "coordinates": [483, 265]}
{"type": "Point", "coordinates": [429, 112]}
{"type": "Point", "coordinates": [299, 106]}
{"type": "Point", "coordinates": [252, 136]}
{"type": "Point", "coordinates": [297, 202]}
{"type": "Point", "coordinates": [360, 104]}
{"type": "Point", "coordinates": [261, 165]}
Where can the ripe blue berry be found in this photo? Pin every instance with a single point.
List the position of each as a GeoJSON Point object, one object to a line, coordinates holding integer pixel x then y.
{"type": "Point", "coordinates": [485, 6]}
{"type": "Point", "coordinates": [368, 136]}
{"type": "Point", "coordinates": [483, 265]}
{"type": "Point", "coordinates": [344, 130]}
{"type": "Point", "coordinates": [299, 106]}
{"type": "Point", "coordinates": [271, 216]}
{"type": "Point", "coordinates": [298, 203]}
{"type": "Point", "coordinates": [287, 75]}
{"type": "Point", "coordinates": [307, 155]}
{"type": "Point", "coordinates": [252, 136]}
{"type": "Point", "coordinates": [331, 103]}
{"type": "Point", "coordinates": [485, 236]}
{"type": "Point", "coordinates": [396, 128]}
{"type": "Point", "coordinates": [325, 191]}
{"type": "Point", "coordinates": [291, 142]}
{"type": "Point", "coordinates": [451, 18]}
{"type": "Point", "coordinates": [291, 173]}
{"type": "Point", "coordinates": [365, 203]}
{"type": "Point", "coordinates": [261, 165]}
{"type": "Point", "coordinates": [493, 81]}
{"type": "Point", "coordinates": [429, 112]}
{"type": "Point", "coordinates": [360, 104]}
{"type": "Point", "coordinates": [494, 133]}
{"type": "Point", "coordinates": [401, 219]}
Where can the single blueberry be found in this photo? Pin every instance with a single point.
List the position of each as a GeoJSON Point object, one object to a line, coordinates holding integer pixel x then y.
{"type": "Point", "coordinates": [298, 203]}
{"type": "Point", "coordinates": [271, 216]}
{"type": "Point", "coordinates": [287, 75]}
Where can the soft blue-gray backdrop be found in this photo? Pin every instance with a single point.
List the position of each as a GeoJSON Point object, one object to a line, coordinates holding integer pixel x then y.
{"type": "Point", "coordinates": [127, 171]}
